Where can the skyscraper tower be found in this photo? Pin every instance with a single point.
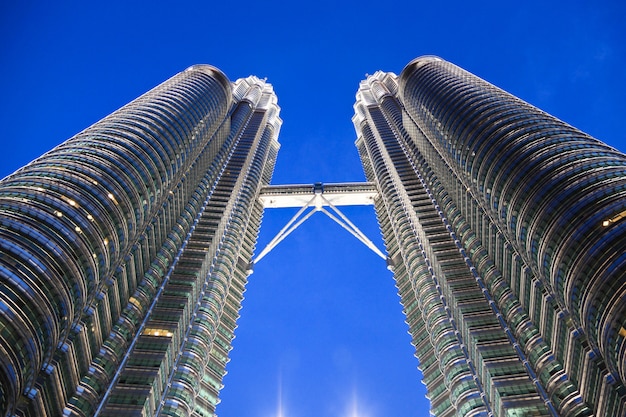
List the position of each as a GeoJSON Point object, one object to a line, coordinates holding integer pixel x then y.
{"type": "Point", "coordinates": [504, 229]}
{"type": "Point", "coordinates": [124, 252]}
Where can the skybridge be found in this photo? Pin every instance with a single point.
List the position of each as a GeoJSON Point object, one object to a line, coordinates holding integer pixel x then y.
{"type": "Point", "coordinates": [318, 197]}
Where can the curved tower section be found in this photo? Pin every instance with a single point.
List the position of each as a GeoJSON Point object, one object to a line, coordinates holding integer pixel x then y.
{"type": "Point", "coordinates": [408, 221]}
{"type": "Point", "coordinates": [518, 221]}
{"type": "Point", "coordinates": [90, 233]}
{"type": "Point", "coordinates": [175, 361]}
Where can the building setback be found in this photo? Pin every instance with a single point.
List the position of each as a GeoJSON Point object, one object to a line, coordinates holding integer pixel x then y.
{"type": "Point", "coordinates": [504, 230]}
{"type": "Point", "coordinates": [125, 251]}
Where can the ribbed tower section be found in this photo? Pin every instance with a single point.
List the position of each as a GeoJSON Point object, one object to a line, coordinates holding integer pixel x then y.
{"type": "Point", "coordinates": [503, 227]}
{"type": "Point", "coordinates": [118, 244]}
{"type": "Point", "coordinates": [177, 364]}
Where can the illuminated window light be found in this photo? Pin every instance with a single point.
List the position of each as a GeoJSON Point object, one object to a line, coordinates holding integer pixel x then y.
{"type": "Point", "coordinates": [135, 302]}
{"type": "Point", "coordinates": [614, 219]}
{"type": "Point", "coordinates": [58, 213]}
{"type": "Point", "coordinates": [151, 331]}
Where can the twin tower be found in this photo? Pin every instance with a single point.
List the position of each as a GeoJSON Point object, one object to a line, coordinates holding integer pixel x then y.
{"type": "Point", "coordinates": [125, 251]}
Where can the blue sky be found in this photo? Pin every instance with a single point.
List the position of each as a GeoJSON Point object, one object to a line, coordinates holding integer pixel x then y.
{"type": "Point", "coordinates": [321, 332]}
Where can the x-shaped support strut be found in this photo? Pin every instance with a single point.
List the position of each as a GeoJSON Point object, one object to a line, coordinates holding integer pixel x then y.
{"type": "Point", "coordinates": [318, 203]}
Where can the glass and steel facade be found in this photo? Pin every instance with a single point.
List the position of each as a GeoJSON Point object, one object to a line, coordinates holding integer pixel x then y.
{"type": "Point", "coordinates": [124, 252]}
{"type": "Point", "coordinates": [505, 235]}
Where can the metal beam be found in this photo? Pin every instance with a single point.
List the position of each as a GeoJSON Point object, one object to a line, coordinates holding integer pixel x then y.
{"type": "Point", "coordinates": [317, 197]}
{"type": "Point", "coordinates": [339, 194]}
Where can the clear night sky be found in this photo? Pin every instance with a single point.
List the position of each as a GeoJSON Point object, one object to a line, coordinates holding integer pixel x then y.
{"type": "Point", "coordinates": [321, 331]}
